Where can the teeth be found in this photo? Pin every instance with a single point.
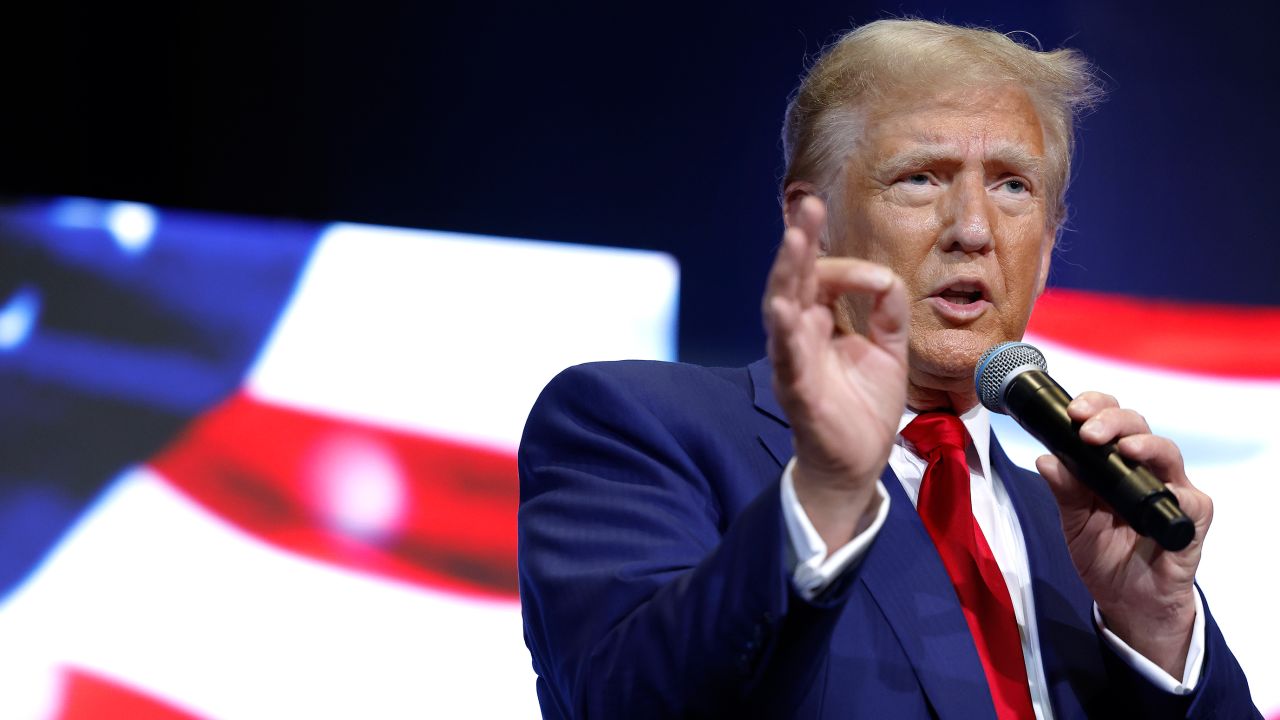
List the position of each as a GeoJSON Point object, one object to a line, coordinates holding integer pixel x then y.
{"type": "Point", "coordinates": [961, 297]}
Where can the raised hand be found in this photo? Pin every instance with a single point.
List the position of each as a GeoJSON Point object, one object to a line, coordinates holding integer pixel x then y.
{"type": "Point", "coordinates": [843, 392]}
{"type": "Point", "coordinates": [1144, 592]}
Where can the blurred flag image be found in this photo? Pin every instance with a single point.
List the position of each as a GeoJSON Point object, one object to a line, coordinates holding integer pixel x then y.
{"type": "Point", "coordinates": [261, 469]}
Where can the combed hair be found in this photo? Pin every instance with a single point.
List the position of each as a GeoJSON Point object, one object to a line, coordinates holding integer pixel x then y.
{"type": "Point", "coordinates": [874, 60]}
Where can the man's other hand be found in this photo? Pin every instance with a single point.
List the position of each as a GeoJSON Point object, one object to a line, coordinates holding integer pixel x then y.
{"type": "Point", "coordinates": [1144, 592]}
{"type": "Point", "coordinates": [843, 392]}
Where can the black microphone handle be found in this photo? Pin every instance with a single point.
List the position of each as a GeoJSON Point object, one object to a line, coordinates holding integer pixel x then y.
{"type": "Point", "coordinates": [1040, 406]}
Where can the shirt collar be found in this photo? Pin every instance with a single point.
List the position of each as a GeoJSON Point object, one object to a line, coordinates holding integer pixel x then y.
{"type": "Point", "coordinates": [977, 421]}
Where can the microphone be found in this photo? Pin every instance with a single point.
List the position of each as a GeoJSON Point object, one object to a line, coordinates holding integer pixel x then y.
{"type": "Point", "coordinates": [1012, 379]}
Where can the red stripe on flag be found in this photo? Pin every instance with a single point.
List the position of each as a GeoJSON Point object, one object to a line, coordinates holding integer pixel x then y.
{"type": "Point", "coordinates": [86, 696]}
{"type": "Point", "coordinates": [395, 504]}
{"type": "Point", "coordinates": [1235, 341]}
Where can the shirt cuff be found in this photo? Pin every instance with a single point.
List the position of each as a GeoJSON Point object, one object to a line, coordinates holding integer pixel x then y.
{"type": "Point", "coordinates": [813, 570]}
{"type": "Point", "coordinates": [1155, 674]}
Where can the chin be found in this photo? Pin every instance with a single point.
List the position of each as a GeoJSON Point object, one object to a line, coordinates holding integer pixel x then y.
{"type": "Point", "coordinates": [950, 353]}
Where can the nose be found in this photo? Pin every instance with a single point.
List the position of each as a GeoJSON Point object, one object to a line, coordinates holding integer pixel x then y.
{"type": "Point", "coordinates": [967, 217]}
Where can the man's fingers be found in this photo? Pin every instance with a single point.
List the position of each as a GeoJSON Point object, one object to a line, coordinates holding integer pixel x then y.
{"type": "Point", "coordinates": [800, 280]}
{"type": "Point", "coordinates": [1104, 421]}
{"type": "Point", "coordinates": [782, 315]}
{"type": "Point", "coordinates": [793, 275]}
{"type": "Point", "coordinates": [1111, 423]}
{"type": "Point", "coordinates": [1160, 454]}
{"type": "Point", "coordinates": [839, 276]}
{"type": "Point", "coordinates": [889, 323]}
{"type": "Point", "coordinates": [784, 276]}
{"type": "Point", "coordinates": [1162, 457]}
{"type": "Point", "coordinates": [1089, 403]}
{"type": "Point", "coordinates": [1070, 492]}
{"type": "Point", "coordinates": [812, 219]}
{"type": "Point", "coordinates": [1197, 506]}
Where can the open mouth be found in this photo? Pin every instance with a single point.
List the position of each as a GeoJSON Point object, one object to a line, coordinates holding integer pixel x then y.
{"type": "Point", "coordinates": [962, 293]}
{"type": "Point", "coordinates": [961, 298]}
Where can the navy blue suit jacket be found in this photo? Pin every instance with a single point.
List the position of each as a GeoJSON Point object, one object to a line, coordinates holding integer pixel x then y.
{"type": "Point", "coordinates": [654, 574]}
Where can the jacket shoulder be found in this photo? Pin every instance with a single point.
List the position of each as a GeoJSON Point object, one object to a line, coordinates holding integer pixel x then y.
{"type": "Point", "coordinates": [669, 410]}
{"type": "Point", "coordinates": [653, 381]}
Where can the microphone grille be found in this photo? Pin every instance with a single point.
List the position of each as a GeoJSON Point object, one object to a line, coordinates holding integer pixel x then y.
{"type": "Point", "coordinates": [998, 365]}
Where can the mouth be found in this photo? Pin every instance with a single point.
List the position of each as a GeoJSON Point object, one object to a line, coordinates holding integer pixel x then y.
{"type": "Point", "coordinates": [961, 300]}
{"type": "Point", "coordinates": [963, 292]}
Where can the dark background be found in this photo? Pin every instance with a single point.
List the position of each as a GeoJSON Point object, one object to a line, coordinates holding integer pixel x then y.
{"type": "Point", "coordinates": [631, 124]}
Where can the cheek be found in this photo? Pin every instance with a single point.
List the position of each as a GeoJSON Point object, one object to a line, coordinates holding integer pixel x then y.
{"type": "Point", "coordinates": [1020, 268]}
{"type": "Point", "coordinates": [899, 237]}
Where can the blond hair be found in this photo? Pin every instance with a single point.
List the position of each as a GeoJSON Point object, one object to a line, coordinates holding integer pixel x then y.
{"type": "Point", "coordinates": [876, 59]}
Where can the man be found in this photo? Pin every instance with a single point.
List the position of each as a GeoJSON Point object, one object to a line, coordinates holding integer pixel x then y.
{"type": "Point", "coordinates": [720, 542]}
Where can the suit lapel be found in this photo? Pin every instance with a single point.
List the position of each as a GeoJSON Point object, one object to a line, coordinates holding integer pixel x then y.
{"type": "Point", "coordinates": [776, 435]}
{"type": "Point", "coordinates": [908, 582]}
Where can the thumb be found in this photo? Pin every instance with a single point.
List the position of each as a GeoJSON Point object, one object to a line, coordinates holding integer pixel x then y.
{"type": "Point", "coordinates": [1070, 493]}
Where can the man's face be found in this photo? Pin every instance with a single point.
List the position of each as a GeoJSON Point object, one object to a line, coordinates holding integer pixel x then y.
{"type": "Point", "coordinates": [948, 191]}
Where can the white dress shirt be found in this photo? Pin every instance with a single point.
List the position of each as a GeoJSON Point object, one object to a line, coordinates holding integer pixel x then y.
{"type": "Point", "coordinates": [995, 515]}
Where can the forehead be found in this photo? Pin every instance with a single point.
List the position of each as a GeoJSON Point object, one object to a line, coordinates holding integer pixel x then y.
{"type": "Point", "coordinates": [985, 121]}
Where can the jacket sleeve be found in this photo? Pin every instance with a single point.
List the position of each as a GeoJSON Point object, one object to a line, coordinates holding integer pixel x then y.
{"type": "Point", "coordinates": [643, 594]}
{"type": "Point", "coordinates": [1222, 692]}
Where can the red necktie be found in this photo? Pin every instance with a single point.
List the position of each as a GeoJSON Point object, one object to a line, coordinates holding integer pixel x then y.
{"type": "Point", "coordinates": [947, 511]}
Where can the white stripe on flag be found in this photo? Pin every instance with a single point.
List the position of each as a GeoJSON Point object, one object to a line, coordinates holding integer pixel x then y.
{"type": "Point", "coordinates": [454, 334]}
{"type": "Point", "coordinates": [151, 589]}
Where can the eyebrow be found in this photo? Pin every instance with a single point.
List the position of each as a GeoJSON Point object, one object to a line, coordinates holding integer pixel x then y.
{"type": "Point", "coordinates": [921, 156]}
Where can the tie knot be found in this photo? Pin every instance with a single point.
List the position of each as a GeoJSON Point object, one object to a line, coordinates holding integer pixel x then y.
{"type": "Point", "coordinates": [936, 430]}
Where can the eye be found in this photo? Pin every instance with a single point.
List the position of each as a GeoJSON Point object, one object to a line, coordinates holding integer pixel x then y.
{"type": "Point", "coordinates": [917, 179]}
{"type": "Point", "coordinates": [1015, 186]}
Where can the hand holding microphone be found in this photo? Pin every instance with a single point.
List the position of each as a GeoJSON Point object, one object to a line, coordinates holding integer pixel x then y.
{"type": "Point", "coordinates": [1012, 378]}
{"type": "Point", "coordinates": [1146, 596]}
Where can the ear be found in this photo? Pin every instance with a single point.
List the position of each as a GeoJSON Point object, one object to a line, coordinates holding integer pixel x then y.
{"type": "Point", "coordinates": [796, 192]}
{"type": "Point", "coordinates": [1047, 244]}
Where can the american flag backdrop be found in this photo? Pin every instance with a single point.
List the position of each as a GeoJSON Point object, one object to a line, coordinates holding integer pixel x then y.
{"type": "Point", "coordinates": [266, 469]}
